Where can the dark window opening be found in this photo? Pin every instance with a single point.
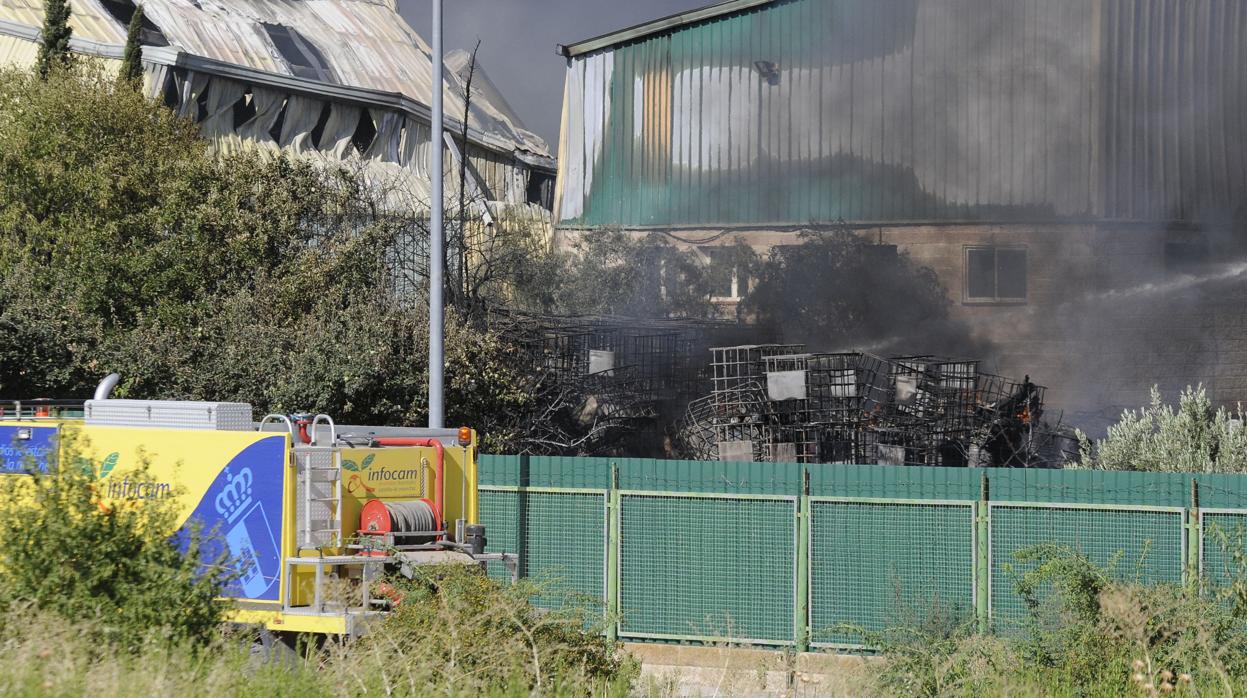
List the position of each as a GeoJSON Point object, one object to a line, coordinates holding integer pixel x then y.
{"type": "Point", "coordinates": [123, 12]}
{"type": "Point", "coordinates": [170, 93]}
{"type": "Point", "coordinates": [304, 58]}
{"type": "Point", "coordinates": [728, 280]}
{"type": "Point", "coordinates": [319, 129]}
{"type": "Point", "coordinates": [201, 104]}
{"type": "Point", "coordinates": [275, 130]}
{"type": "Point", "coordinates": [995, 274]}
{"type": "Point", "coordinates": [244, 109]}
{"type": "Point", "coordinates": [540, 190]}
{"type": "Point", "coordinates": [365, 132]}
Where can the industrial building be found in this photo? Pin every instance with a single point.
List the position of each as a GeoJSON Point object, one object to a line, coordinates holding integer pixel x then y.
{"type": "Point", "coordinates": [346, 81]}
{"type": "Point", "coordinates": [1072, 170]}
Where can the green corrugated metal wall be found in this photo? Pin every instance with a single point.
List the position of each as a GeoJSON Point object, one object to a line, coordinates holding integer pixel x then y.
{"type": "Point", "coordinates": [811, 111]}
{"type": "Point", "coordinates": [778, 553]}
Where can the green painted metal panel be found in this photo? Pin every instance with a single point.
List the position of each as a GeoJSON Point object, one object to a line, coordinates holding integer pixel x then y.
{"type": "Point", "coordinates": [709, 476]}
{"type": "Point", "coordinates": [707, 567]}
{"type": "Point", "coordinates": [880, 111]}
{"type": "Point", "coordinates": [1222, 491]}
{"type": "Point", "coordinates": [543, 471]}
{"type": "Point", "coordinates": [1146, 546]}
{"type": "Point", "coordinates": [1089, 487]}
{"type": "Point", "coordinates": [1222, 532]}
{"type": "Point", "coordinates": [560, 537]}
{"type": "Point", "coordinates": [876, 565]}
{"type": "Point", "coordinates": [837, 480]}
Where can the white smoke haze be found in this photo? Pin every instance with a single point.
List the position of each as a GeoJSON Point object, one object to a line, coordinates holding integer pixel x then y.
{"type": "Point", "coordinates": [1147, 149]}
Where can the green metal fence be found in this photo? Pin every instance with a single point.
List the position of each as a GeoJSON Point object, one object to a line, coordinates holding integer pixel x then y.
{"type": "Point", "coordinates": [875, 564]}
{"type": "Point", "coordinates": [824, 555]}
{"type": "Point", "coordinates": [1216, 563]}
{"type": "Point", "coordinates": [560, 536]}
{"type": "Point", "coordinates": [1145, 544]}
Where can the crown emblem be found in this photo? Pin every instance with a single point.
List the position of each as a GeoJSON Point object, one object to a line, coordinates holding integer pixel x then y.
{"type": "Point", "coordinates": [235, 496]}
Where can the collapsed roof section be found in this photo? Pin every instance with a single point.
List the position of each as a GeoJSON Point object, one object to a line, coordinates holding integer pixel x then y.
{"type": "Point", "coordinates": [343, 48]}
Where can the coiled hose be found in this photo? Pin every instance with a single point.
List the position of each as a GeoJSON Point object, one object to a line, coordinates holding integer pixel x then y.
{"type": "Point", "coordinates": [409, 517]}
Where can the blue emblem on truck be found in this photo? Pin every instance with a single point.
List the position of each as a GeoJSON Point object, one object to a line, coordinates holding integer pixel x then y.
{"type": "Point", "coordinates": [242, 509]}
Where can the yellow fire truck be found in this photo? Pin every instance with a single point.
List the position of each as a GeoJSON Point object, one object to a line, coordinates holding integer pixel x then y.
{"type": "Point", "coordinates": [308, 512]}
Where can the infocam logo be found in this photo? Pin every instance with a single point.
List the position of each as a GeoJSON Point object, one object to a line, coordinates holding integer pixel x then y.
{"type": "Point", "coordinates": [394, 474]}
{"type": "Point", "coordinates": [125, 488]}
{"type": "Point", "coordinates": [138, 489]}
{"type": "Point", "coordinates": [380, 474]}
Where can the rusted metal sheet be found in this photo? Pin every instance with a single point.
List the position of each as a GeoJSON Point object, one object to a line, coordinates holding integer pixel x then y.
{"type": "Point", "coordinates": [907, 110]}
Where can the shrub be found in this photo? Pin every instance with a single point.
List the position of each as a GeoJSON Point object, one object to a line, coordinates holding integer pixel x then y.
{"type": "Point", "coordinates": [1192, 438]}
{"type": "Point", "coordinates": [940, 660]}
{"type": "Point", "coordinates": [1087, 634]}
{"type": "Point", "coordinates": [265, 280]}
{"type": "Point", "coordinates": [68, 550]}
{"type": "Point", "coordinates": [459, 629]}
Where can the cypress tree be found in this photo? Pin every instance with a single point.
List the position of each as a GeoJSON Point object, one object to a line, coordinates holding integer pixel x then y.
{"type": "Point", "coordinates": [132, 59]}
{"type": "Point", "coordinates": [54, 44]}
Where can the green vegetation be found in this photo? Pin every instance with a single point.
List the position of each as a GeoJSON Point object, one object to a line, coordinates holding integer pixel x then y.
{"type": "Point", "coordinates": [132, 58]}
{"type": "Point", "coordinates": [261, 280]}
{"type": "Point", "coordinates": [1088, 634]}
{"type": "Point", "coordinates": [54, 39]}
{"type": "Point", "coordinates": [613, 273]}
{"type": "Point", "coordinates": [464, 630]}
{"type": "Point", "coordinates": [68, 551]}
{"type": "Point", "coordinates": [839, 287]}
{"type": "Point", "coordinates": [1194, 438]}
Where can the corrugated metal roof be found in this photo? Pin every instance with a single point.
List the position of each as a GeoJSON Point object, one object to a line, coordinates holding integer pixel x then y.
{"type": "Point", "coordinates": [911, 110]}
{"type": "Point", "coordinates": [88, 19]}
{"type": "Point", "coordinates": [362, 43]}
{"type": "Point", "coordinates": [667, 23]}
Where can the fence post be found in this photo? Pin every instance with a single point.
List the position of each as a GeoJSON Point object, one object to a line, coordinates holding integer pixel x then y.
{"type": "Point", "coordinates": [1194, 537]}
{"type": "Point", "coordinates": [612, 556]}
{"type": "Point", "coordinates": [982, 558]}
{"type": "Point", "coordinates": [802, 621]}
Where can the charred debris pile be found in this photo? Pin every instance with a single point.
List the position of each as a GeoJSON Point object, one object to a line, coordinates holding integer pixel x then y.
{"type": "Point", "coordinates": [778, 403]}
{"type": "Point", "coordinates": [686, 389]}
{"type": "Point", "coordinates": [610, 385]}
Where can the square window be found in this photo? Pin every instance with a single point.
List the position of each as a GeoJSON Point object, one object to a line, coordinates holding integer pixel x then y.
{"type": "Point", "coordinates": [995, 274]}
{"type": "Point", "coordinates": [1186, 257]}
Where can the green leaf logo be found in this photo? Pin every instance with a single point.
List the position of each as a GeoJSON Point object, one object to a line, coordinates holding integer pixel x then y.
{"type": "Point", "coordinates": [109, 463]}
{"type": "Point", "coordinates": [367, 461]}
{"type": "Point", "coordinates": [350, 465]}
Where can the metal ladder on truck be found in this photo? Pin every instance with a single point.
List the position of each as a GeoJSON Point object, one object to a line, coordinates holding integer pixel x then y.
{"type": "Point", "coordinates": [319, 471]}
{"type": "Point", "coordinates": [318, 485]}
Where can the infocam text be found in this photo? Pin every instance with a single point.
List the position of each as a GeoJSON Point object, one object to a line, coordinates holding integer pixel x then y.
{"type": "Point", "coordinates": [137, 489]}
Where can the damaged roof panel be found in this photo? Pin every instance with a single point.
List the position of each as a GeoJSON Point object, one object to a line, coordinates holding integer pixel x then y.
{"type": "Point", "coordinates": [365, 44]}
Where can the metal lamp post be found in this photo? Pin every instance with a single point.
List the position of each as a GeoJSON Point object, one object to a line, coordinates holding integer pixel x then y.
{"type": "Point", "coordinates": [437, 252]}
